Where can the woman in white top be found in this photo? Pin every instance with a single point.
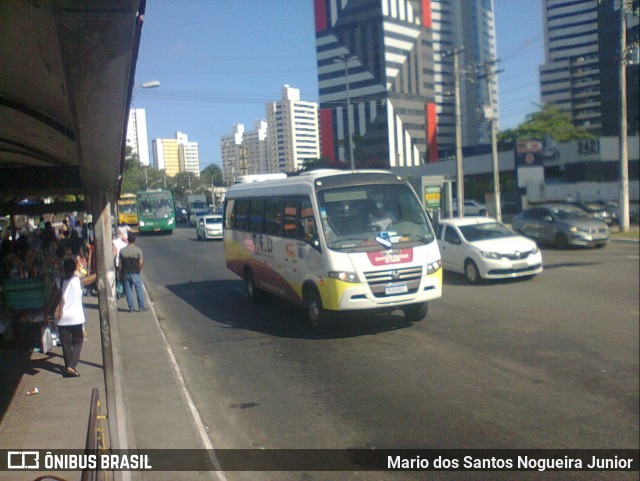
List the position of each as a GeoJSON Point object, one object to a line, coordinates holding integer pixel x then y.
{"type": "Point", "coordinates": [71, 322]}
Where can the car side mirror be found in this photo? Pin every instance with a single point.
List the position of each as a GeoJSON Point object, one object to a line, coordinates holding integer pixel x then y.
{"type": "Point", "coordinates": [547, 218]}
{"type": "Point", "coordinates": [455, 241]}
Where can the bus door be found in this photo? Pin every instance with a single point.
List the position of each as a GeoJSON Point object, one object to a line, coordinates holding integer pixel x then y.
{"type": "Point", "coordinates": [302, 256]}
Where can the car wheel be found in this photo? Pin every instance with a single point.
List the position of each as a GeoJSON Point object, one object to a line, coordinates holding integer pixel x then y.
{"type": "Point", "coordinates": [471, 272]}
{"type": "Point", "coordinates": [416, 312]}
{"type": "Point", "coordinates": [255, 295]}
{"type": "Point", "coordinates": [562, 241]}
{"type": "Point", "coordinates": [319, 319]}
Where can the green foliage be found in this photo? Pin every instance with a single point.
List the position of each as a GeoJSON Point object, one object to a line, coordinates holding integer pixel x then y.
{"type": "Point", "coordinates": [137, 177]}
{"type": "Point", "coordinates": [212, 175]}
{"type": "Point", "coordinates": [548, 122]}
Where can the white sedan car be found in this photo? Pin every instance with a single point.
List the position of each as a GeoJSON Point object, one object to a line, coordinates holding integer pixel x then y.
{"type": "Point", "coordinates": [209, 227]}
{"type": "Point", "coordinates": [483, 248]}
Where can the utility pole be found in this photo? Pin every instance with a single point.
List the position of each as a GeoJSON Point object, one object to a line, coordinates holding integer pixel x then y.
{"type": "Point", "coordinates": [622, 138]}
{"type": "Point", "coordinates": [345, 60]}
{"type": "Point", "coordinates": [490, 112]}
{"type": "Point", "coordinates": [459, 172]}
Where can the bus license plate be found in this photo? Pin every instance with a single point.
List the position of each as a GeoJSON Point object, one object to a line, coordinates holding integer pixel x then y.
{"type": "Point", "coordinates": [397, 288]}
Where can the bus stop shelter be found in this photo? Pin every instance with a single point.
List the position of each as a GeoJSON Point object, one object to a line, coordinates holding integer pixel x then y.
{"type": "Point", "coordinates": [66, 79]}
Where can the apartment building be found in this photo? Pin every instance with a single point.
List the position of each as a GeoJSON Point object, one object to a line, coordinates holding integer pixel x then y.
{"type": "Point", "coordinates": [137, 137]}
{"type": "Point", "coordinates": [292, 132]}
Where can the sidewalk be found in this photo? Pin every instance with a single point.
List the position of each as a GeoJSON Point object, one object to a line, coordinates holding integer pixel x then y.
{"type": "Point", "coordinates": [56, 417]}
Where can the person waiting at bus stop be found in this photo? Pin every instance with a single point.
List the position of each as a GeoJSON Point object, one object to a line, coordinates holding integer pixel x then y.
{"type": "Point", "coordinates": [131, 261]}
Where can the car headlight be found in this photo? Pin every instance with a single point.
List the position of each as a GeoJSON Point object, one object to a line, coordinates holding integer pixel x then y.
{"type": "Point", "coordinates": [573, 229]}
{"type": "Point", "coordinates": [490, 255]}
{"type": "Point", "coordinates": [141, 223]}
{"type": "Point", "coordinates": [434, 266]}
{"type": "Point", "coordinates": [344, 276]}
{"type": "Point", "coordinates": [535, 250]}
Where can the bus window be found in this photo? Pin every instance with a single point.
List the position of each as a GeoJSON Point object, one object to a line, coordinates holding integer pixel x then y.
{"type": "Point", "coordinates": [273, 216]}
{"type": "Point", "coordinates": [229, 217]}
{"type": "Point", "coordinates": [308, 229]}
{"type": "Point", "coordinates": [291, 207]}
{"type": "Point", "coordinates": [256, 215]}
{"type": "Point", "coordinates": [242, 214]}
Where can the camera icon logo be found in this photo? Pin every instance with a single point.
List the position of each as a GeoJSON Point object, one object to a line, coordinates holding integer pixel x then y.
{"type": "Point", "coordinates": [23, 460]}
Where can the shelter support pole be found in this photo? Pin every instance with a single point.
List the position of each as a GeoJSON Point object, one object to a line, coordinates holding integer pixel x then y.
{"type": "Point", "coordinates": [113, 368]}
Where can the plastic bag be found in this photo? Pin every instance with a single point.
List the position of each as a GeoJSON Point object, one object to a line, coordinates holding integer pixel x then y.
{"type": "Point", "coordinates": [46, 338]}
{"type": "Point", "coordinates": [119, 289]}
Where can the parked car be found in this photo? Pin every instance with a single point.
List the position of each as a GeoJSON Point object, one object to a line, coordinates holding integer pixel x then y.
{"type": "Point", "coordinates": [599, 209]}
{"type": "Point", "coordinates": [563, 225]}
{"type": "Point", "coordinates": [209, 227]}
{"type": "Point", "coordinates": [471, 208]}
{"type": "Point", "coordinates": [483, 248]}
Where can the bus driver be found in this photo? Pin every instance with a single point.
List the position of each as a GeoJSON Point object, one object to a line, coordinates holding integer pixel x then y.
{"type": "Point", "coordinates": [381, 218]}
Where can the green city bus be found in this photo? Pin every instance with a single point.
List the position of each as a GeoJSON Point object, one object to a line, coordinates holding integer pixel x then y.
{"type": "Point", "coordinates": [156, 211]}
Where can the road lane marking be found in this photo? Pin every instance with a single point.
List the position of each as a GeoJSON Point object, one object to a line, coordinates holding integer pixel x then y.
{"type": "Point", "coordinates": [195, 414]}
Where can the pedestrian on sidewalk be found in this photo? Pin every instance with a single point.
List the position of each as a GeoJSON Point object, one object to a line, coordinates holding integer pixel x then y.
{"type": "Point", "coordinates": [71, 322]}
{"type": "Point", "coordinates": [131, 261]}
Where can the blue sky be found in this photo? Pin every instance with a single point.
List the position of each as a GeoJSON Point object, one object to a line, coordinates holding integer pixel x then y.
{"type": "Point", "coordinates": [219, 62]}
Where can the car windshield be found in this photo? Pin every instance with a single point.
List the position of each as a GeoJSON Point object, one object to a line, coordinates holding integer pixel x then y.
{"type": "Point", "coordinates": [367, 217]}
{"type": "Point", "coordinates": [569, 212]}
{"type": "Point", "coordinates": [485, 231]}
{"type": "Point", "coordinates": [214, 220]}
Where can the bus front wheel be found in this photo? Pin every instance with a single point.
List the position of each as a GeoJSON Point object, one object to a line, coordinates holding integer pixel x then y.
{"type": "Point", "coordinates": [318, 317]}
{"type": "Point", "coordinates": [416, 312]}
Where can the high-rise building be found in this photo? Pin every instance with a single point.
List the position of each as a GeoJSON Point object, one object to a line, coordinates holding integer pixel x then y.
{"type": "Point", "coordinates": [166, 156]}
{"type": "Point", "coordinates": [469, 26]}
{"type": "Point", "coordinates": [188, 154]}
{"type": "Point", "coordinates": [230, 149]}
{"type": "Point", "coordinates": [385, 73]}
{"type": "Point", "coordinates": [137, 135]}
{"type": "Point", "coordinates": [245, 153]}
{"type": "Point", "coordinates": [257, 150]}
{"type": "Point", "coordinates": [176, 155]}
{"type": "Point", "coordinates": [580, 73]}
{"type": "Point", "coordinates": [292, 132]}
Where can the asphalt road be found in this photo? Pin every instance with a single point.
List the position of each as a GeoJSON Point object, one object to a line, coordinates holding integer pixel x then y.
{"type": "Point", "coordinates": [550, 362]}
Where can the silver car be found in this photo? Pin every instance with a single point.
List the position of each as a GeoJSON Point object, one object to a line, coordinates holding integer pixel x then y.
{"type": "Point", "coordinates": [563, 225]}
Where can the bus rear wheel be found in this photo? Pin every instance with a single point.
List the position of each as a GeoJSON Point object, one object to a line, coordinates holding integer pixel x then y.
{"type": "Point", "coordinates": [317, 316]}
{"type": "Point", "coordinates": [416, 312]}
{"type": "Point", "coordinates": [255, 295]}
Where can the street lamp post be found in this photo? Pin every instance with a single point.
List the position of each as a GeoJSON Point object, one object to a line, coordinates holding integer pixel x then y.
{"type": "Point", "coordinates": [345, 60]}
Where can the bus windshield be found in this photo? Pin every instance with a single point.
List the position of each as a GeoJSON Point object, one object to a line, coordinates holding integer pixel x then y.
{"type": "Point", "coordinates": [155, 206]}
{"type": "Point", "coordinates": [127, 207]}
{"type": "Point", "coordinates": [367, 217]}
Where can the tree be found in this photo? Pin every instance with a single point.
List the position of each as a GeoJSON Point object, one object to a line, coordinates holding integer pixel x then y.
{"type": "Point", "coordinates": [133, 175]}
{"type": "Point", "coordinates": [212, 175]}
{"type": "Point", "coordinates": [550, 121]}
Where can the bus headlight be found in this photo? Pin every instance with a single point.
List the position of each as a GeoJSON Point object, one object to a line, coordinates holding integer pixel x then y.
{"type": "Point", "coordinates": [170, 222]}
{"type": "Point", "coordinates": [434, 267]}
{"type": "Point", "coordinates": [344, 276]}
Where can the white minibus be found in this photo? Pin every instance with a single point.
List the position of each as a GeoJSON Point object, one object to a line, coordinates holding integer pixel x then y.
{"type": "Point", "coordinates": [334, 241]}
